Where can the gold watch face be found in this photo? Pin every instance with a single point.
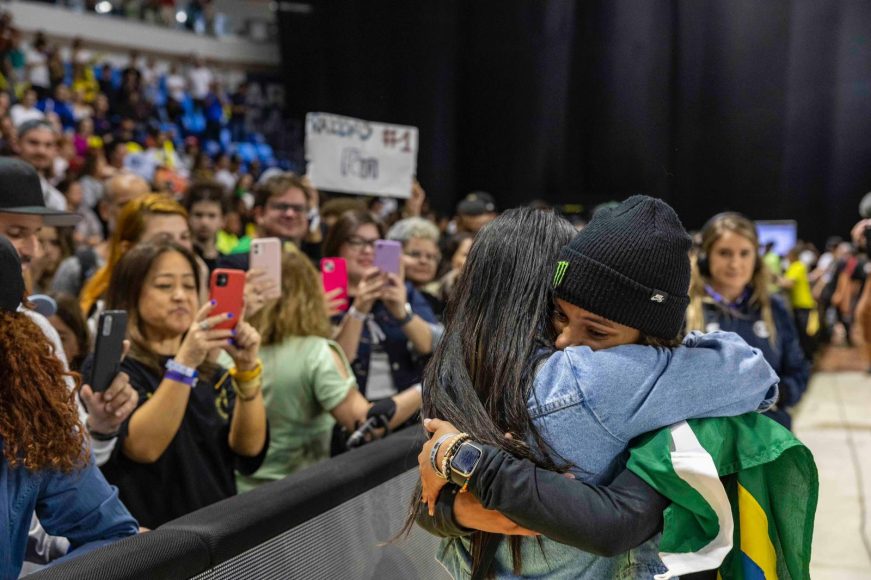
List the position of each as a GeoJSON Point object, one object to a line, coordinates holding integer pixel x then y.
{"type": "Point", "coordinates": [465, 459]}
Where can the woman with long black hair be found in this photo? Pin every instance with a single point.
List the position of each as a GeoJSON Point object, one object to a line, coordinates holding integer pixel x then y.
{"type": "Point", "coordinates": [496, 371]}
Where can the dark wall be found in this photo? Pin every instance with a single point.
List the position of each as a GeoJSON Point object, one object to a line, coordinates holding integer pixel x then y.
{"type": "Point", "coordinates": [760, 107]}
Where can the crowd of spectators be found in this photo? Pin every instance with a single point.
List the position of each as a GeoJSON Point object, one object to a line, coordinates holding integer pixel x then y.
{"type": "Point", "coordinates": [164, 123]}
{"type": "Point", "coordinates": [199, 16]}
{"type": "Point", "coordinates": [132, 213]}
{"type": "Point", "coordinates": [311, 364]}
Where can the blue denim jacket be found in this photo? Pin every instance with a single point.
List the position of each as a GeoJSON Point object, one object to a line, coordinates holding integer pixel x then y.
{"type": "Point", "coordinates": [588, 405]}
{"type": "Point", "coordinates": [80, 506]}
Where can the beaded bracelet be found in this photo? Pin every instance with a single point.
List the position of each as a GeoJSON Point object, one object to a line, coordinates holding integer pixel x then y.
{"type": "Point", "coordinates": [435, 451]}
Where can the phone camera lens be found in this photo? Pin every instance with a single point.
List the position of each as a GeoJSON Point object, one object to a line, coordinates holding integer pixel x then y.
{"type": "Point", "coordinates": [329, 267]}
{"type": "Point", "coordinates": [222, 279]}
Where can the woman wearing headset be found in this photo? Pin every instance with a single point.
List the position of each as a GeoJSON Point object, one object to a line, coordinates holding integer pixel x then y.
{"type": "Point", "coordinates": [729, 291]}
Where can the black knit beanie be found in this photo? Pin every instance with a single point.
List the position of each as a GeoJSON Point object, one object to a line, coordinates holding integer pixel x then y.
{"type": "Point", "coordinates": [631, 266]}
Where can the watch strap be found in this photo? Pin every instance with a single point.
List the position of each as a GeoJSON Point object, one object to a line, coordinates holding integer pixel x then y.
{"type": "Point", "coordinates": [409, 314]}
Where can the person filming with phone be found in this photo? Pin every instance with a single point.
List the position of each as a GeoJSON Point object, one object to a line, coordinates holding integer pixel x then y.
{"type": "Point", "coordinates": [308, 384]}
{"type": "Point", "coordinates": [389, 326]}
{"type": "Point", "coordinates": [196, 423]}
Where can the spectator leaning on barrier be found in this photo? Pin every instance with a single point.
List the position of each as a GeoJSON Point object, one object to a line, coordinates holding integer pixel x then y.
{"type": "Point", "coordinates": [45, 466]}
{"type": "Point", "coordinates": [308, 384]}
{"type": "Point", "coordinates": [196, 422]}
{"type": "Point", "coordinates": [389, 327]}
{"type": "Point", "coordinates": [22, 215]}
{"type": "Point", "coordinates": [729, 291]}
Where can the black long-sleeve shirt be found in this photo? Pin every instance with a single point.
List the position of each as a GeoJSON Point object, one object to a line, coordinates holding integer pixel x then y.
{"type": "Point", "coordinates": [603, 520]}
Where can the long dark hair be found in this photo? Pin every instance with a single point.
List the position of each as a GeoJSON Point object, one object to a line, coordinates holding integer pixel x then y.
{"type": "Point", "coordinates": [125, 288]}
{"type": "Point", "coordinates": [498, 330]}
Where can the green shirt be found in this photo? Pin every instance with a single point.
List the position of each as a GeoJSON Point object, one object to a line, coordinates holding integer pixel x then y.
{"type": "Point", "coordinates": [301, 385]}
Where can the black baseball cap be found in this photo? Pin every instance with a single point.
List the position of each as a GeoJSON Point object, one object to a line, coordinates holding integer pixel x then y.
{"type": "Point", "coordinates": [21, 192]}
{"type": "Point", "coordinates": [11, 281]}
{"type": "Point", "coordinates": [477, 203]}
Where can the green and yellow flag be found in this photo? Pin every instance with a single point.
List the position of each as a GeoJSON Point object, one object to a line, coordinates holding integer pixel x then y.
{"type": "Point", "coordinates": [744, 494]}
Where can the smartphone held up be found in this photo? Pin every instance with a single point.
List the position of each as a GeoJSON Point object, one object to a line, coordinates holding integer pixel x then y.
{"type": "Point", "coordinates": [334, 274]}
{"type": "Point", "coordinates": [108, 350]}
{"type": "Point", "coordinates": [227, 291]}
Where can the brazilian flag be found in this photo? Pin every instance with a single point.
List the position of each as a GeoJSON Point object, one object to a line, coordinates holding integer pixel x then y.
{"type": "Point", "coordinates": [744, 493]}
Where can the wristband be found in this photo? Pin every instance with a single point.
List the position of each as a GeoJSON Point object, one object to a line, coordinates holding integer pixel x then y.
{"type": "Point", "coordinates": [102, 436]}
{"type": "Point", "coordinates": [180, 378]}
{"type": "Point", "coordinates": [177, 367]}
{"type": "Point", "coordinates": [247, 376]}
{"type": "Point", "coordinates": [435, 451]}
{"type": "Point", "coordinates": [247, 398]}
{"type": "Point", "coordinates": [409, 314]}
{"type": "Point", "coordinates": [357, 315]}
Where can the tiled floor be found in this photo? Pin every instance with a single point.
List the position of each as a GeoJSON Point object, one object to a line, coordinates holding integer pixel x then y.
{"type": "Point", "coordinates": [834, 421]}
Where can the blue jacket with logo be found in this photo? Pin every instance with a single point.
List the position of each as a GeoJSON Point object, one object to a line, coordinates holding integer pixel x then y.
{"type": "Point", "coordinates": [784, 355]}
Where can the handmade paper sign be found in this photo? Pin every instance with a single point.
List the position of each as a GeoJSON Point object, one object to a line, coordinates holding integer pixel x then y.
{"type": "Point", "coordinates": [360, 157]}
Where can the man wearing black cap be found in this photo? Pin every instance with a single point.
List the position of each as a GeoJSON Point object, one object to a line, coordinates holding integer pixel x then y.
{"type": "Point", "coordinates": [22, 214]}
{"type": "Point", "coordinates": [475, 211]}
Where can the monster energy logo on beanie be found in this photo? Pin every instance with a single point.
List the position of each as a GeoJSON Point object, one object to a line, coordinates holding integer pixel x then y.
{"type": "Point", "coordinates": [630, 265]}
{"type": "Point", "coordinates": [560, 273]}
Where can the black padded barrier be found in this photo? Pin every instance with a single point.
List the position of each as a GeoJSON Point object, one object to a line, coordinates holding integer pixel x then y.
{"type": "Point", "coordinates": [325, 521]}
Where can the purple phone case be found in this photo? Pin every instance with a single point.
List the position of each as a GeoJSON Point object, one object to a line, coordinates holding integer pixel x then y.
{"type": "Point", "coordinates": [388, 253]}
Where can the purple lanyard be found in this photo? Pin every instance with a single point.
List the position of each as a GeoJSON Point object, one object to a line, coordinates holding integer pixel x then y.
{"type": "Point", "coordinates": [737, 304]}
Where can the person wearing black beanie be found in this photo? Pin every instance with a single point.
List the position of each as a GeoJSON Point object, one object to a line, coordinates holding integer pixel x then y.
{"type": "Point", "coordinates": [631, 266]}
{"type": "Point", "coordinates": [618, 372]}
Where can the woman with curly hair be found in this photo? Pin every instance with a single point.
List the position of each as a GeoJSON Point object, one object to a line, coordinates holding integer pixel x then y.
{"type": "Point", "coordinates": [45, 466]}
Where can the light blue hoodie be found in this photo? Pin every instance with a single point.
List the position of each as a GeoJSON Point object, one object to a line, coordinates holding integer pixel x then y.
{"type": "Point", "coordinates": [588, 405]}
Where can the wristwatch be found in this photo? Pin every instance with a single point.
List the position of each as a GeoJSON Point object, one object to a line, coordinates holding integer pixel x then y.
{"type": "Point", "coordinates": [409, 314]}
{"type": "Point", "coordinates": [464, 462]}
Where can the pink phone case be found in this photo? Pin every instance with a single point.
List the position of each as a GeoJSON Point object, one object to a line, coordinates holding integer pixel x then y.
{"type": "Point", "coordinates": [266, 256]}
{"type": "Point", "coordinates": [334, 273]}
{"type": "Point", "coordinates": [388, 254]}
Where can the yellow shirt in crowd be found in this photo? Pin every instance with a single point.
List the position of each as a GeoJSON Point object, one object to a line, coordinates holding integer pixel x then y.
{"type": "Point", "coordinates": [800, 293]}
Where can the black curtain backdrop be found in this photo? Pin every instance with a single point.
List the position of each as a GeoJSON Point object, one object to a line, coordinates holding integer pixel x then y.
{"type": "Point", "coordinates": [759, 107]}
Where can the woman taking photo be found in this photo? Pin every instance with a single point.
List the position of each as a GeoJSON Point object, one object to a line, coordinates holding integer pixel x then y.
{"type": "Point", "coordinates": [45, 466]}
{"type": "Point", "coordinates": [196, 423]}
{"type": "Point", "coordinates": [388, 330]}
{"type": "Point", "coordinates": [308, 384]}
{"type": "Point", "coordinates": [729, 291]}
